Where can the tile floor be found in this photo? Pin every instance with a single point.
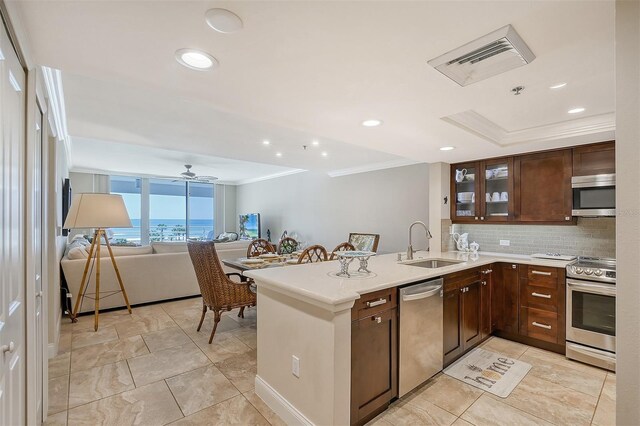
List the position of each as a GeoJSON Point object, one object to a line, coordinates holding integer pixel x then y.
{"type": "Point", "coordinates": [153, 368]}
{"type": "Point", "coordinates": [556, 391]}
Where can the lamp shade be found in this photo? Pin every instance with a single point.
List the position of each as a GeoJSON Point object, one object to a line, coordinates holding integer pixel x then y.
{"type": "Point", "coordinates": [97, 211]}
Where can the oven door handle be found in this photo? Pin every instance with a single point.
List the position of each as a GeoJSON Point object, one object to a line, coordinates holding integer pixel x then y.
{"type": "Point", "coordinates": [607, 290]}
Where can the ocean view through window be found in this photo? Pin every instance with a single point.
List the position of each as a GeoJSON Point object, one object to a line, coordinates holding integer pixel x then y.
{"type": "Point", "coordinates": [164, 210]}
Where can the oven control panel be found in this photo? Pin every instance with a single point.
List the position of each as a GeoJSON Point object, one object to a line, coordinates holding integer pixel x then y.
{"type": "Point", "coordinates": [591, 273]}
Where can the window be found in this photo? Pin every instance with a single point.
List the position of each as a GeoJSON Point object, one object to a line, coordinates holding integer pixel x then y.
{"type": "Point", "coordinates": [200, 211]}
{"type": "Point", "coordinates": [165, 210]}
{"type": "Point", "coordinates": [130, 189]}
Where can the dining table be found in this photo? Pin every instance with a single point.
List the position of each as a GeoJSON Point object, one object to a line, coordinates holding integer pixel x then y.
{"type": "Point", "coordinates": [239, 265]}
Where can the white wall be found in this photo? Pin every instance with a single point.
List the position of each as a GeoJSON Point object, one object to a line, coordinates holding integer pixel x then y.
{"type": "Point", "coordinates": [323, 210]}
{"type": "Point", "coordinates": [58, 169]}
{"type": "Point", "coordinates": [628, 210]}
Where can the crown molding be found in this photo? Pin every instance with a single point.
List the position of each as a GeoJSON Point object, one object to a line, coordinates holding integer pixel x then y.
{"type": "Point", "coordinates": [373, 167]}
{"type": "Point", "coordinates": [58, 113]}
{"type": "Point", "coordinates": [268, 177]}
{"type": "Point", "coordinates": [475, 123]}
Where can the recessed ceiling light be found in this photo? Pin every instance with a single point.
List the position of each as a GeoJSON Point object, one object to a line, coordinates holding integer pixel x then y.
{"type": "Point", "coordinates": [315, 143]}
{"type": "Point", "coordinates": [371, 123]}
{"type": "Point", "coordinates": [575, 110]}
{"type": "Point", "coordinates": [196, 59]}
{"type": "Point", "coordinates": [278, 154]}
{"type": "Point", "coordinates": [447, 148]}
{"type": "Point", "coordinates": [265, 142]}
{"type": "Point", "coordinates": [324, 154]}
{"type": "Point", "coordinates": [558, 86]}
{"type": "Point", "coordinates": [223, 20]}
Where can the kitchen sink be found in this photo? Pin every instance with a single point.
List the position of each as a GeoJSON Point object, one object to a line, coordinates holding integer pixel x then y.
{"type": "Point", "coordinates": [434, 263]}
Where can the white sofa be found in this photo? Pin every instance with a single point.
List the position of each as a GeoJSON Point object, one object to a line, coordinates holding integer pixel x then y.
{"type": "Point", "coordinates": [163, 272]}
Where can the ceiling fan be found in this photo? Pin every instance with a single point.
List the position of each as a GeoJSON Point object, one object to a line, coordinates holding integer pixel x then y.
{"type": "Point", "coordinates": [190, 176]}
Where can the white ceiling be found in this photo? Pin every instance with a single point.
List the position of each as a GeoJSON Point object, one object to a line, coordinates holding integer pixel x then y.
{"type": "Point", "coordinates": [303, 70]}
{"type": "Point", "coordinates": [139, 160]}
{"type": "Point", "coordinates": [124, 113]}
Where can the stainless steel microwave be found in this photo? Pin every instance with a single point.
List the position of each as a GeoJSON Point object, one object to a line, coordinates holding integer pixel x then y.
{"type": "Point", "coordinates": [594, 195]}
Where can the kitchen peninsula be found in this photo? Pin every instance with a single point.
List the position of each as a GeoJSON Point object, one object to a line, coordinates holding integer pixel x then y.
{"type": "Point", "coordinates": [305, 317]}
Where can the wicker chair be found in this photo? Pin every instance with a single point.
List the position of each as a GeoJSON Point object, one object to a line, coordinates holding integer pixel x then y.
{"type": "Point", "coordinates": [346, 246]}
{"type": "Point", "coordinates": [287, 245]}
{"type": "Point", "coordinates": [260, 246]}
{"type": "Point", "coordinates": [313, 254]}
{"type": "Point", "coordinates": [219, 292]}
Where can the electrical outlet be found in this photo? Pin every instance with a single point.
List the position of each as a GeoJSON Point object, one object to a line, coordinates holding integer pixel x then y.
{"type": "Point", "coordinates": [295, 365]}
{"type": "Point", "coordinates": [505, 243]}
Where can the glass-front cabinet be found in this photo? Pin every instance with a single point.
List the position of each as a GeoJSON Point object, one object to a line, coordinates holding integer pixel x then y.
{"type": "Point", "coordinates": [483, 191]}
{"type": "Point", "coordinates": [465, 179]}
{"type": "Point", "coordinates": [497, 190]}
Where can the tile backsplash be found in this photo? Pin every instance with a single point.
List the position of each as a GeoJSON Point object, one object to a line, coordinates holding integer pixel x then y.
{"type": "Point", "coordinates": [590, 237]}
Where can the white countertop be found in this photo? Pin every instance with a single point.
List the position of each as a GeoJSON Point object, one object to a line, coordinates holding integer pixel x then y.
{"type": "Point", "coordinates": [317, 284]}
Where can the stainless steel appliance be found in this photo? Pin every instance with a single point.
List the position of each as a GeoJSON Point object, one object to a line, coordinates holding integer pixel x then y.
{"type": "Point", "coordinates": [591, 311]}
{"type": "Point", "coordinates": [421, 334]}
{"type": "Point", "coordinates": [594, 195]}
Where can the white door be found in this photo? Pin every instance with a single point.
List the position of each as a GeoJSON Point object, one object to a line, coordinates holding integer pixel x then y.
{"type": "Point", "coordinates": [38, 265]}
{"type": "Point", "coordinates": [12, 269]}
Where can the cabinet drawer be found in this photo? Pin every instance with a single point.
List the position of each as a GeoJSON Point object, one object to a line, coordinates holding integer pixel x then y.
{"type": "Point", "coordinates": [372, 303]}
{"type": "Point", "coordinates": [461, 279]}
{"type": "Point", "coordinates": [543, 298]}
{"type": "Point", "coordinates": [538, 324]}
{"type": "Point", "coordinates": [542, 276]}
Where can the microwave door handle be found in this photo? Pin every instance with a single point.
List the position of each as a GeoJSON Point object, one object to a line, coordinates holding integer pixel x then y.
{"type": "Point", "coordinates": [592, 288]}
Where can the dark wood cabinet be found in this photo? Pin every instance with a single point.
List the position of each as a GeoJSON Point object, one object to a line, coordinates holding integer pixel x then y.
{"type": "Point", "coordinates": [452, 330]}
{"type": "Point", "coordinates": [374, 354]}
{"type": "Point", "coordinates": [594, 159]}
{"type": "Point", "coordinates": [496, 190]}
{"type": "Point", "coordinates": [504, 297]}
{"type": "Point", "coordinates": [462, 307]}
{"type": "Point", "coordinates": [485, 301]}
{"type": "Point", "coordinates": [542, 187]}
{"type": "Point", "coordinates": [471, 314]}
{"type": "Point", "coordinates": [465, 192]}
{"type": "Point", "coordinates": [531, 188]}
{"type": "Point", "coordinates": [542, 304]}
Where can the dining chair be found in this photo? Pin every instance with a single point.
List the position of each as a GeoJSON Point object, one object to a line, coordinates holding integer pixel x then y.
{"type": "Point", "coordinates": [287, 245]}
{"type": "Point", "coordinates": [364, 242]}
{"type": "Point", "coordinates": [346, 246]}
{"type": "Point", "coordinates": [260, 246]}
{"type": "Point", "coordinates": [219, 292]}
{"type": "Point", "coordinates": [313, 254]}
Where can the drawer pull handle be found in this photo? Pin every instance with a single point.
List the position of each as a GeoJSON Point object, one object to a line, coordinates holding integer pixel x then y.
{"type": "Point", "coordinates": [378, 302]}
{"type": "Point", "coordinates": [537, 324]}
{"type": "Point", "coordinates": [544, 296]}
{"type": "Point", "coordinates": [541, 273]}
{"type": "Point", "coordinates": [378, 320]}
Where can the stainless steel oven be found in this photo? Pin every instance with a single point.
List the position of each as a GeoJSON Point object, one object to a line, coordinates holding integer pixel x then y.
{"type": "Point", "coordinates": [594, 195]}
{"type": "Point", "coordinates": [591, 312]}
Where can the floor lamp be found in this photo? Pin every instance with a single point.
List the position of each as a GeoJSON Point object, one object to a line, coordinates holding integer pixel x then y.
{"type": "Point", "coordinates": [97, 211]}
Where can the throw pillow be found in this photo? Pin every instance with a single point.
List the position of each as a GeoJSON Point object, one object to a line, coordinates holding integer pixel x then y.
{"type": "Point", "coordinates": [78, 253]}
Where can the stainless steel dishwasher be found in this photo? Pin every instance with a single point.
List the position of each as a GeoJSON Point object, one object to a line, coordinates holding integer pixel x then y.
{"type": "Point", "coordinates": [421, 338]}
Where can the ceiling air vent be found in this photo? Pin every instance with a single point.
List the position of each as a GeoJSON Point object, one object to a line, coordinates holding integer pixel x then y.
{"type": "Point", "coordinates": [492, 54]}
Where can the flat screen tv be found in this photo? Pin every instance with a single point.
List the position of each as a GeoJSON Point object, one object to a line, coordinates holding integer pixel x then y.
{"type": "Point", "coordinates": [250, 226]}
{"type": "Point", "coordinates": [66, 202]}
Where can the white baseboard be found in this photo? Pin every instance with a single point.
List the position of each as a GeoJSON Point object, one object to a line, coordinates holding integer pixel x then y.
{"type": "Point", "coordinates": [52, 349]}
{"type": "Point", "coordinates": [283, 408]}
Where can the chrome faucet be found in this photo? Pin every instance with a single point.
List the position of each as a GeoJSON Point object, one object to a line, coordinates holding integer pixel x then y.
{"type": "Point", "coordinates": [410, 249]}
